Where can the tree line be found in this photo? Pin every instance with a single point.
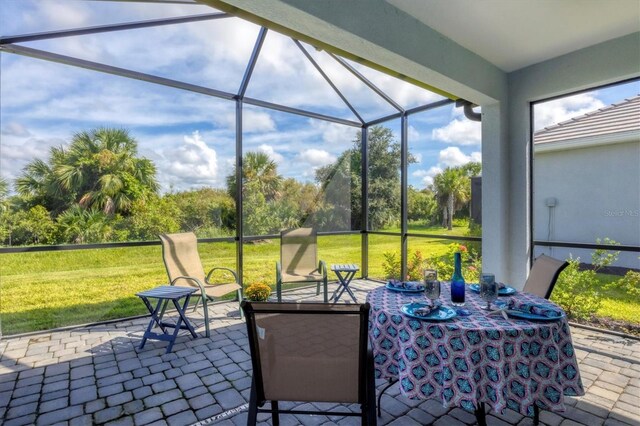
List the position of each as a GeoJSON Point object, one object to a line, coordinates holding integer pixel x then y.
{"type": "Point", "coordinates": [98, 189]}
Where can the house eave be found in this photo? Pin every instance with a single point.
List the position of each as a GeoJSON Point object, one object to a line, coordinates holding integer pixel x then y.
{"type": "Point", "coordinates": [577, 143]}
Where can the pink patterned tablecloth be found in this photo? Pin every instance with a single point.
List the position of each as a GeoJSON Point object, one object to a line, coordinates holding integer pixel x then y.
{"type": "Point", "coordinates": [479, 358]}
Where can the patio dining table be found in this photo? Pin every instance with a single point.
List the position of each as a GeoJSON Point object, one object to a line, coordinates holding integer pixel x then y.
{"type": "Point", "coordinates": [470, 360]}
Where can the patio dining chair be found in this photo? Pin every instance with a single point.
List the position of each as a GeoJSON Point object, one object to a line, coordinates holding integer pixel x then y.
{"type": "Point", "coordinates": [299, 261]}
{"type": "Point", "coordinates": [310, 352]}
{"type": "Point", "coordinates": [184, 268]}
{"type": "Point", "coordinates": [543, 276]}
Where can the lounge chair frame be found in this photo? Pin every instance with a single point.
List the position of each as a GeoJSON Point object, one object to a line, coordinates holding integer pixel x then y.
{"type": "Point", "coordinates": [191, 281]}
{"type": "Point", "coordinates": [322, 266]}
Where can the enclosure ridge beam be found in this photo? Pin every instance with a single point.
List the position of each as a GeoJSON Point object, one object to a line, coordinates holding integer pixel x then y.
{"type": "Point", "coordinates": [252, 62]}
{"type": "Point", "coordinates": [427, 107]}
{"type": "Point", "coordinates": [367, 82]}
{"type": "Point", "coordinates": [291, 110]}
{"type": "Point", "coordinates": [111, 27]}
{"type": "Point", "coordinates": [411, 111]}
{"type": "Point", "coordinates": [327, 79]}
{"type": "Point", "coordinates": [108, 69]}
{"type": "Point", "coordinates": [384, 119]}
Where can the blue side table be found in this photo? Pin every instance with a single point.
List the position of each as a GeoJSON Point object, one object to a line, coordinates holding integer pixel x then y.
{"type": "Point", "coordinates": [349, 272]}
{"type": "Point", "coordinates": [164, 295]}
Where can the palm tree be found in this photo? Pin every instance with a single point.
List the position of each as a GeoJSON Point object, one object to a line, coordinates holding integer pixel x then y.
{"type": "Point", "coordinates": [452, 190]}
{"type": "Point", "coordinates": [100, 169]}
{"type": "Point", "coordinates": [4, 191]}
{"type": "Point", "coordinates": [39, 186]}
{"type": "Point", "coordinates": [259, 174]}
{"type": "Point", "coordinates": [78, 225]}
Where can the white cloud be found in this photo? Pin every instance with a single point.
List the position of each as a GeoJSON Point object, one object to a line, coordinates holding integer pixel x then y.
{"type": "Point", "coordinates": [252, 121]}
{"type": "Point", "coordinates": [268, 149]}
{"type": "Point", "coordinates": [553, 112]}
{"type": "Point", "coordinates": [448, 157]}
{"type": "Point", "coordinates": [333, 133]}
{"type": "Point", "coordinates": [15, 129]}
{"type": "Point", "coordinates": [430, 174]}
{"type": "Point", "coordinates": [191, 164]}
{"type": "Point", "coordinates": [459, 132]}
{"type": "Point", "coordinates": [454, 157]}
{"type": "Point", "coordinates": [316, 157]}
{"type": "Point", "coordinates": [413, 135]}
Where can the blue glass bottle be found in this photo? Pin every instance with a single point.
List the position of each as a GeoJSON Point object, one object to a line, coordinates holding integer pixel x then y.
{"type": "Point", "coordinates": [457, 282]}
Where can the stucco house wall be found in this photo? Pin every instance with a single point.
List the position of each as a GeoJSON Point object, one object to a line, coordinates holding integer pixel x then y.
{"type": "Point", "coordinates": [597, 193]}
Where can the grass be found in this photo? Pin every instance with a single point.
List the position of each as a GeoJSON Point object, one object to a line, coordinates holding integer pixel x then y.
{"type": "Point", "coordinates": [45, 290]}
{"type": "Point", "coordinates": [617, 304]}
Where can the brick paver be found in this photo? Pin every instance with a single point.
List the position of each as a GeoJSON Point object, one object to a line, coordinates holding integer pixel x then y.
{"type": "Point", "coordinates": [97, 375]}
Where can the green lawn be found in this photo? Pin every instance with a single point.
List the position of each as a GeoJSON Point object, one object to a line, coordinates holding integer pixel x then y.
{"type": "Point", "coordinates": [51, 289]}
{"type": "Point", "coordinates": [44, 290]}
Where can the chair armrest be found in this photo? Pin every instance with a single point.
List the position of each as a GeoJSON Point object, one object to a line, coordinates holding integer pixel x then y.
{"type": "Point", "coordinates": [195, 280]}
{"type": "Point", "coordinates": [235, 276]}
{"type": "Point", "coordinates": [322, 268]}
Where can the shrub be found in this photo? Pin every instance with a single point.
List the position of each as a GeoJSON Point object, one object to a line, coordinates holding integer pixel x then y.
{"type": "Point", "coordinates": [630, 283]}
{"type": "Point", "coordinates": [415, 265]}
{"type": "Point", "coordinates": [258, 292]}
{"type": "Point", "coordinates": [471, 263]}
{"type": "Point", "coordinates": [574, 291]}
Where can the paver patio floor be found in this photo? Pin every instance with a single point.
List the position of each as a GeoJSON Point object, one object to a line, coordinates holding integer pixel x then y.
{"type": "Point", "coordinates": [97, 375]}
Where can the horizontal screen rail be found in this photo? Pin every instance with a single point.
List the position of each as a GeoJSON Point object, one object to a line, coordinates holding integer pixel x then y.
{"type": "Point", "coordinates": [587, 246]}
{"type": "Point", "coordinates": [67, 247]}
{"type": "Point", "coordinates": [98, 246]}
{"type": "Point", "coordinates": [411, 234]}
{"type": "Point", "coordinates": [445, 237]}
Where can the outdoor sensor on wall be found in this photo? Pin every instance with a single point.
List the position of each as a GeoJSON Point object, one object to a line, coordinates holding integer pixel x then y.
{"type": "Point", "coordinates": [551, 202]}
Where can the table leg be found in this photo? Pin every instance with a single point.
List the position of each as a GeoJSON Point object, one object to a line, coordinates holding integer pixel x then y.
{"type": "Point", "coordinates": [179, 326]}
{"type": "Point", "coordinates": [481, 414]}
{"type": "Point", "coordinates": [154, 319]}
{"type": "Point", "coordinates": [344, 285]}
{"type": "Point", "coordinates": [334, 296]}
{"type": "Point", "coordinates": [186, 320]}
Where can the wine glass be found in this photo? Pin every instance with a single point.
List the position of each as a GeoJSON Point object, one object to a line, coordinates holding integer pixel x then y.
{"type": "Point", "coordinates": [431, 285]}
{"type": "Point", "coordinates": [488, 288]}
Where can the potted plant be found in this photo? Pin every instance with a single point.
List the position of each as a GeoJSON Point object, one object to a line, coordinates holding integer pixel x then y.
{"type": "Point", "coordinates": [258, 292]}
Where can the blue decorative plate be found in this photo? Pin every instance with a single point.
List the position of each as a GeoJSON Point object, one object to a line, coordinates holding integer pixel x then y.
{"type": "Point", "coordinates": [505, 291]}
{"type": "Point", "coordinates": [533, 317]}
{"type": "Point", "coordinates": [405, 290]}
{"type": "Point", "coordinates": [443, 313]}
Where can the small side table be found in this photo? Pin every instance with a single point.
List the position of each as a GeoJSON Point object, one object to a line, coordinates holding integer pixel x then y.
{"type": "Point", "coordinates": [164, 294]}
{"type": "Point", "coordinates": [349, 272]}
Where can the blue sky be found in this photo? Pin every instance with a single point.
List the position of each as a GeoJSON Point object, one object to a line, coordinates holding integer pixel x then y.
{"type": "Point", "coordinates": [190, 136]}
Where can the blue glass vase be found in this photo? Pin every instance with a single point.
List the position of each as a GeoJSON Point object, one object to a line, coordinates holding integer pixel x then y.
{"type": "Point", "coordinates": [457, 282]}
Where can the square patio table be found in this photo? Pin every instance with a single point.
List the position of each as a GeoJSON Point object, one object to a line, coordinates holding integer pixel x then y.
{"type": "Point", "coordinates": [164, 295]}
{"type": "Point", "coordinates": [349, 271]}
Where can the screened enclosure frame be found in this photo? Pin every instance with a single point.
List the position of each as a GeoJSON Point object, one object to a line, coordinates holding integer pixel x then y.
{"type": "Point", "coordinates": [10, 44]}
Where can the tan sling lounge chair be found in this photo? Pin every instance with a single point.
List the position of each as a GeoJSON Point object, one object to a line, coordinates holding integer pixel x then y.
{"type": "Point", "coordinates": [299, 261]}
{"type": "Point", "coordinates": [543, 276]}
{"type": "Point", "coordinates": [184, 268]}
{"type": "Point", "coordinates": [310, 352]}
